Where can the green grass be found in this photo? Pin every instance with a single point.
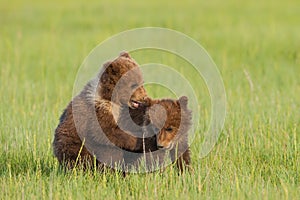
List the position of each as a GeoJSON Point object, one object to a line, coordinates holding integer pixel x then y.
{"type": "Point", "coordinates": [258, 154]}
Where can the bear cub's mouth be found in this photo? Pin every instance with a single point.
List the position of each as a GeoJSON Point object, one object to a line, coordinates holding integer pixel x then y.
{"type": "Point", "coordinates": [135, 104]}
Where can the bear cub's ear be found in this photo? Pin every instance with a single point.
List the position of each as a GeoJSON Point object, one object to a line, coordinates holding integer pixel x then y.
{"type": "Point", "coordinates": [105, 65]}
{"type": "Point", "coordinates": [125, 54]}
{"type": "Point", "coordinates": [183, 101]}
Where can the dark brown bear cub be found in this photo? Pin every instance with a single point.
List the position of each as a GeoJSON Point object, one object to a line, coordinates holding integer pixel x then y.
{"type": "Point", "coordinates": [88, 127]}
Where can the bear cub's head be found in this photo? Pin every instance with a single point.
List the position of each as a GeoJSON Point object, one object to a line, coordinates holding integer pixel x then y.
{"type": "Point", "coordinates": [121, 82]}
{"type": "Point", "coordinates": [170, 120]}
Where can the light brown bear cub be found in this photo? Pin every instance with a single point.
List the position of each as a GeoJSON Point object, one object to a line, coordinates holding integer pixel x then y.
{"type": "Point", "coordinates": [172, 135]}
{"type": "Point", "coordinates": [166, 124]}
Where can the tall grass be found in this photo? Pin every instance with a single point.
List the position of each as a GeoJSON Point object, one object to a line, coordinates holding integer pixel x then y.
{"type": "Point", "coordinates": [256, 47]}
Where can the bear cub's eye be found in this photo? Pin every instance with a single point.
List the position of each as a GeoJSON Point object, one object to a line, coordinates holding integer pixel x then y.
{"type": "Point", "coordinates": [169, 129]}
{"type": "Point", "coordinates": [133, 86]}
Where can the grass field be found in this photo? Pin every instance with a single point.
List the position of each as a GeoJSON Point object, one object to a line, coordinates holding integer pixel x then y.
{"type": "Point", "coordinates": [255, 44]}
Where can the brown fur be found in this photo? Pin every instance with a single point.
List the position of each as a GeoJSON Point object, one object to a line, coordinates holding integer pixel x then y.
{"type": "Point", "coordinates": [173, 134]}
{"type": "Point", "coordinates": [168, 121]}
{"type": "Point", "coordinates": [78, 136]}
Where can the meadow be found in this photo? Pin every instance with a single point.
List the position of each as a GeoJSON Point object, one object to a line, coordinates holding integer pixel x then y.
{"type": "Point", "coordinates": [255, 45]}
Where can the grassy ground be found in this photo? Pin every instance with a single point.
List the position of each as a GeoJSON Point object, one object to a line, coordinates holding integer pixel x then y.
{"type": "Point", "coordinates": [256, 47]}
